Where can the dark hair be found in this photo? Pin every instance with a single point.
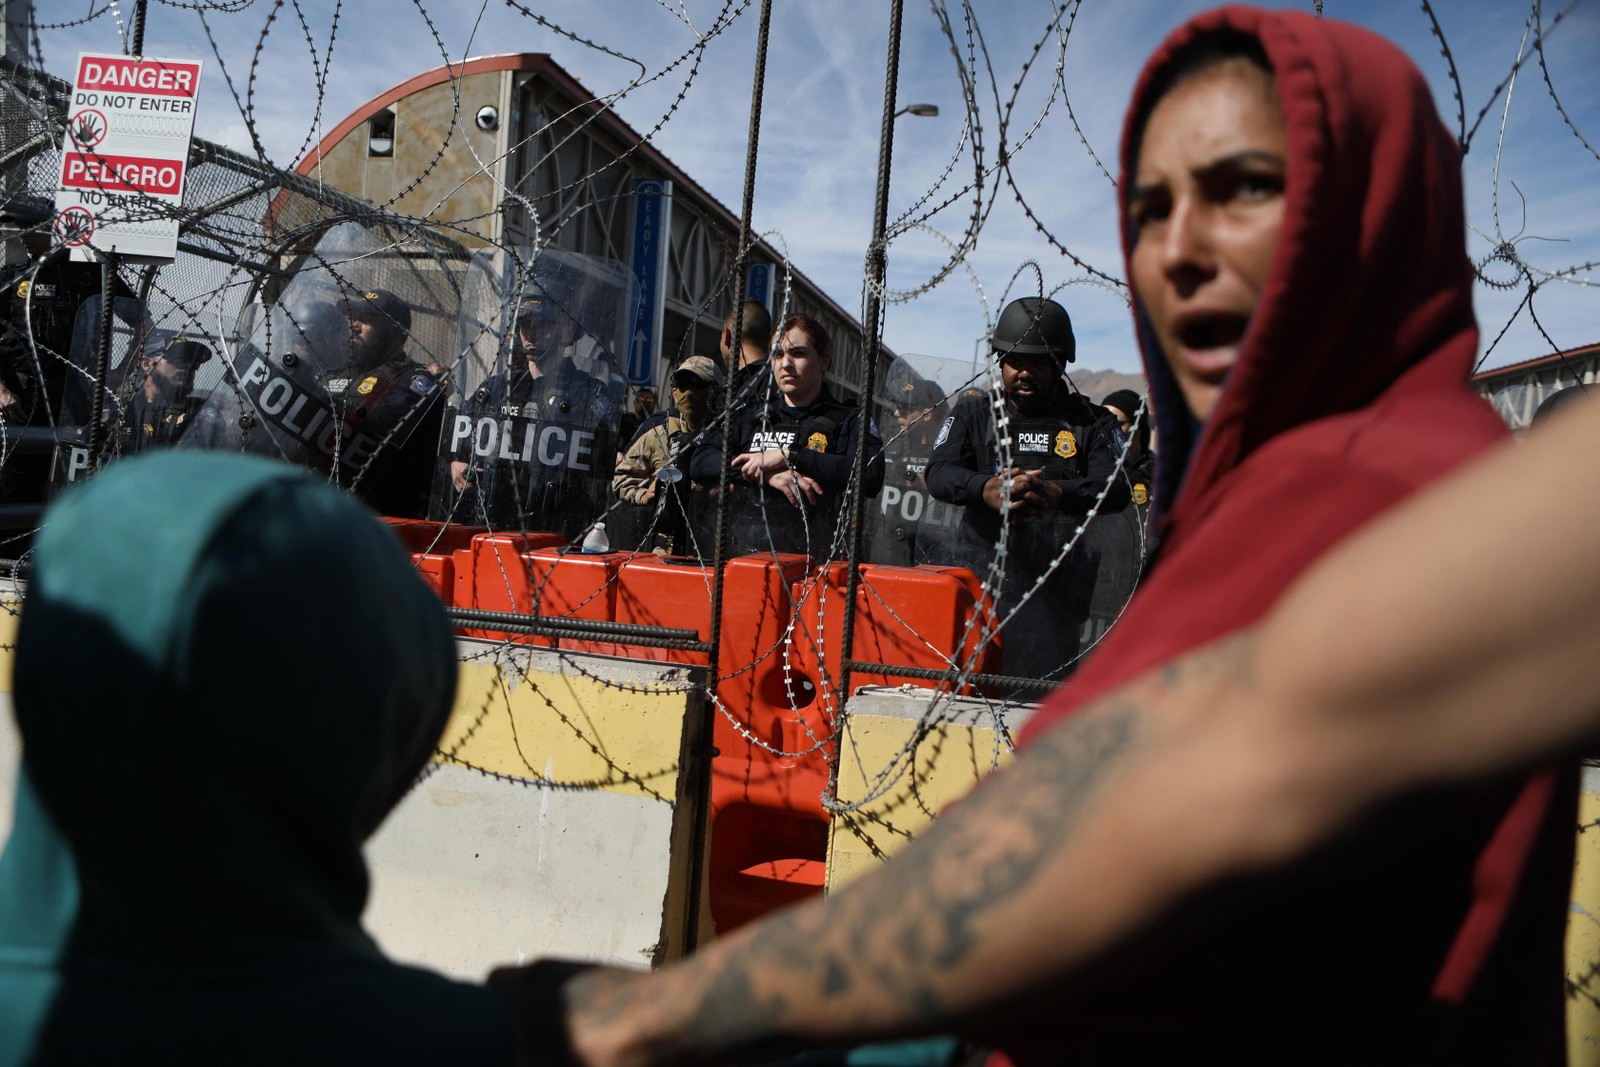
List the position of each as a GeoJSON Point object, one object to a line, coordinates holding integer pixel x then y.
{"type": "Point", "coordinates": [757, 325]}
{"type": "Point", "coordinates": [1201, 54]}
{"type": "Point", "coordinates": [821, 343]}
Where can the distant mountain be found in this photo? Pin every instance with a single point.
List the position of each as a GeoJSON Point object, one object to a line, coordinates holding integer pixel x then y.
{"type": "Point", "coordinates": [1095, 384]}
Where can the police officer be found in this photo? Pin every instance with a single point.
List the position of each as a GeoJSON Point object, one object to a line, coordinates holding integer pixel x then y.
{"type": "Point", "coordinates": [328, 384]}
{"type": "Point", "coordinates": [1063, 450]}
{"type": "Point", "coordinates": [796, 451]}
{"type": "Point", "coordinates": [158, 413]}
{"type": "Point", "coordinates": [746, 357]}
{"type": "Point", "coordinates": [390, 398]}
{"type": "Point", "coordinates": [533, 447]}
{"type": "Point", "coordinates": [1128, 408]}
{"type": "Point", "coordinates": [639, 480]}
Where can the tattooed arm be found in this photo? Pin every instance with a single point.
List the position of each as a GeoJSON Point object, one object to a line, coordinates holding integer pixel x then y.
{"type": "Point", "coordinates": [1238, 755]}
{"type": "Point", "coordinates": [1035, 871]}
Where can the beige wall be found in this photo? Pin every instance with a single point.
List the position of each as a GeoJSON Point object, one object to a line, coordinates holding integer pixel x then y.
{"type": "Point", "coordinates": [422, 128]}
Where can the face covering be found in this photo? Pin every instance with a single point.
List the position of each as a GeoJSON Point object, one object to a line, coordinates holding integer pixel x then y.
{"type": "Point", "coordinates": [694, 406]}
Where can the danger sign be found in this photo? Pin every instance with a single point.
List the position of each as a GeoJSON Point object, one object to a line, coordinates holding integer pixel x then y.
{"type": "Point", "coordinates": [130, 174]}
{"type": "Point", "coordinates": [158, 77]}
{"type": "Point", "coordinates": [125, 154]}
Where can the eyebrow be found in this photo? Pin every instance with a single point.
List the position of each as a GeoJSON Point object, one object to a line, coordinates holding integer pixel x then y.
{"type": "Point", "coordinates": [1246, 158]}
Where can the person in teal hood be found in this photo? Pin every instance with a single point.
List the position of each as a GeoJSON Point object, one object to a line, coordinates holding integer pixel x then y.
{"type": "Point", "coordinates": [226, 676]}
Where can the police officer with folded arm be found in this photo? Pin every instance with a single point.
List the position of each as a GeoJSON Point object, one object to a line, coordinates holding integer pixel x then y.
{"type": "Point", "coordinates": [1062, 452]}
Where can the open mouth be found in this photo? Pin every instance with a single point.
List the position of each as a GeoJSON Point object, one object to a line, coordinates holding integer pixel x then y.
{"type": "Point", "coordinates": [1212, 331]}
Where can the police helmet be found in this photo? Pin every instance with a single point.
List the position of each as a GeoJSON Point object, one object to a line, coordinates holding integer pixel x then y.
{"type": "Point", "coordinates": [1029, 326]}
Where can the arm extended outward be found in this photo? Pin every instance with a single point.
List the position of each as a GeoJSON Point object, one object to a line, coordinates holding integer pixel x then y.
{"type": "Point", "coordinates": [1280, 735]}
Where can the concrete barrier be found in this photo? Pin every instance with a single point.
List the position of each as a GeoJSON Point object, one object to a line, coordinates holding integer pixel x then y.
{"type": "Point", "coordinates": [906, 753]}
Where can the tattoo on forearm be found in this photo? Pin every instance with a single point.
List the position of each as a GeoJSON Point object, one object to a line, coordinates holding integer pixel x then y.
{"type": "Point", "coordinates": [896, 940]}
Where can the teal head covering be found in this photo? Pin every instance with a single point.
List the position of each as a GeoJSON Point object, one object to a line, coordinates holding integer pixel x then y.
{"type": "Point", "coordinates": [226, 675]}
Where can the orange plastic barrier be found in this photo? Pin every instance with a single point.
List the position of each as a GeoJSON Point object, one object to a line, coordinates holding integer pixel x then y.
{"type": "Point", "coordinates": [923, 616]}
{"type": "Point", "coordinates": [433, 547]}
{"type": "Point", "coordinates": [769, 834]}
{"type": "Point", "coordinates": [564, 583]}
{"type": "Point", "coordinates": [768, 838]}
{"type": "Point", "coordinates": [492, 573]}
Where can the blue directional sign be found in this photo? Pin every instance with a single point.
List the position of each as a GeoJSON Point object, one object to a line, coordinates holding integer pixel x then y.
{"type": "Point", "coordinates": [758, 286]}
{"type": "Point", "coordinates": [652, 229]}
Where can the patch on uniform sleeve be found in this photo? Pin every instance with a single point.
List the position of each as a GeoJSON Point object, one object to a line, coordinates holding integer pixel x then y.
{"type": "Point", "coordinates": [1141, 495]}
{"type": "Point", "coordinates": [423, 384]}
{"type": "Point", "coordinates": [1066, 444]}
{"type": "Point", "coordinates": [367, 385]}
{"type": "Point", "coordinates": [603, 407]}
{"type": "Point", "coordinates": [944, 431]}
{"type": "Point", "coordinates": [817, 442]}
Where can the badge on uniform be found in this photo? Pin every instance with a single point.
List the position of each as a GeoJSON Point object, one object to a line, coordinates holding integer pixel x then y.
{"type": "Point", "coordinates": [1141, 495]}
{"type": "Point", "coordinates": [22, 288]}
{"type": "Point", "coordinates": [944, 431]}
{"type": "Point", "coordinates": [817, 442]}
{"type": "Point", "coordinates": [1066, 444]}
{"type": "Point", "coordinates": [366, 385]}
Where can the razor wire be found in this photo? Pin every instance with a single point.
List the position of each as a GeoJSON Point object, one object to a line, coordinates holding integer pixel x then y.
{"type": "Point", "coordinates": [284, 229]}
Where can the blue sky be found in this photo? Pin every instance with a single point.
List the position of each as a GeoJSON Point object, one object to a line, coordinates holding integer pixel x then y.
{"type": "Point", "coordinates": [822, 109]}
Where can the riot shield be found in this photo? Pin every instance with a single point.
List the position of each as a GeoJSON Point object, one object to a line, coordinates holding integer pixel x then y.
{"type": "Point", "coordinates": [531, 437]}
{"type": "Point", "coordinates": [905, 525]}
{"type": "Point", "coordinates": [344, 370]}
{"type": "Point", "coordinates": [81, 390]}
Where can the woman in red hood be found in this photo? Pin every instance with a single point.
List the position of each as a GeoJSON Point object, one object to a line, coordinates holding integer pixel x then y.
{"type": "Point", "coordinates": [1295, 237]}
{"type": "Point", "coordinates": [1296, 243]}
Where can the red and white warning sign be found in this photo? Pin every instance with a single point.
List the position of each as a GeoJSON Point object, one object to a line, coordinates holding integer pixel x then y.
{"type": "Point", "coordinates": [123, 160]}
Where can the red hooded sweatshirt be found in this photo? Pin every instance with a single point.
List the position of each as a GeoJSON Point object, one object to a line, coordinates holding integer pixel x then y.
{"type": "Point", "coordinates": [1395, 944]}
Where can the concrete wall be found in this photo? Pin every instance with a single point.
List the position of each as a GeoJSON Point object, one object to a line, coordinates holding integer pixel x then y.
{"type": "Point", "coordinates": [549, 825]}
{"type": "Point", "coordinates": [904, 756]}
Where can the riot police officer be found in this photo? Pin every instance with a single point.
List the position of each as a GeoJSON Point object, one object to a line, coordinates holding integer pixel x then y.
{"type": "Point", "coordinates": [533, 447]}
{"type": "Point", "coordinates": [339, 396]}
{"type": "Point", "coordinates": [158, 414]}
{"type": "Point", "coordinates": [1062, 451]}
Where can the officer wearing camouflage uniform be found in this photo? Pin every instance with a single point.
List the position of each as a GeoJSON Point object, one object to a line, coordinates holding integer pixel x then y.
{"type": "Point", "coordinates": [638, 480]}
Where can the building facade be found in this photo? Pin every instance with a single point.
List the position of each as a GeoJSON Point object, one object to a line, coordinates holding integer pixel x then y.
{"type": "Point", "coordinates": [1517, 390]}
{"type": "Point", "coordinates": [510, 150]}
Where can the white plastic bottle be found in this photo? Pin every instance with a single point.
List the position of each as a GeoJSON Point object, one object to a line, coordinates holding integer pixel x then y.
{"type": "Point", "coordinates": [596, 539]}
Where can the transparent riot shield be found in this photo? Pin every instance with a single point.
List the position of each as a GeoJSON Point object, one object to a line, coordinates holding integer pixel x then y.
{"type": "Point", "coordinates": [344, 372]}
{"type": "Point", "coordinates": [81, 390]}
{"type": "Point", "coordinates": [905, 524]}
{"type": "Point", "coordinates": [531, 435]}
